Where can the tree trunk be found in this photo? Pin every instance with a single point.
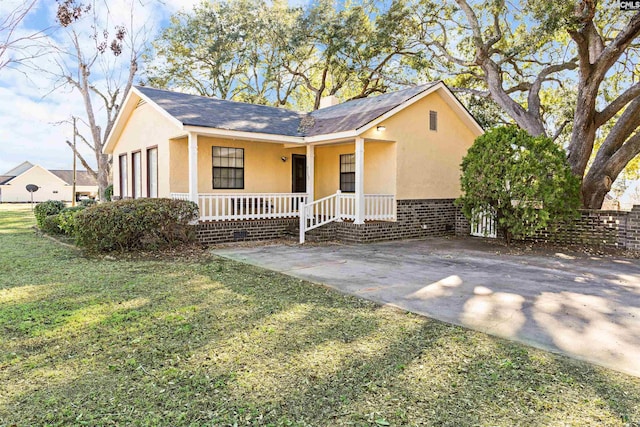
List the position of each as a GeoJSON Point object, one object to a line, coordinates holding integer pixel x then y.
{"type": "Point", "coordinates": [584, 130]}
{"type": "Point", "coordinates": [594, 188]}
{"type": "Point", "coordinates": [104, 174]}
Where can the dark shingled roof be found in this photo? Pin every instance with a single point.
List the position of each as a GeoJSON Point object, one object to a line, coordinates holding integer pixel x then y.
{"type": "Point", "coordinates": [82, 177]}
{"type": "Point", "coordinates": [5, 178]}
{"type": "Point", "coordinates": [354, 114]}
{"type": "Point", "coordinates": [229, 115]}
{"type": "Point", "coordinates": [195, 110]}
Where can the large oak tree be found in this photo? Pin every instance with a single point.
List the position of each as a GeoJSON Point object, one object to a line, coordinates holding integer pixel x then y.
{"type": "Point", "coordinates": [548, 65]}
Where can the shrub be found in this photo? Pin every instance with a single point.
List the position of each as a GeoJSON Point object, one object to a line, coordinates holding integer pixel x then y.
{"type": "Point", "coordinates": [524, 180]}
{"type": "Point", "coordinates": [108, 193]}
{"type": "Point", "coordinates": [87, 202]}
{"type": "Point", "coordinates": [67, 219]}
{"type": "Point", "coordinates": [147, 224]}
{"type": "Point", "coordinates": [51, 224]}
{"type": "Point", "coordinates": [44, 209]}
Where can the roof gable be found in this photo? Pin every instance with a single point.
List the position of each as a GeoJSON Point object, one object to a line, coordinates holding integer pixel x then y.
{"type": "Point", "coordinates": [20, 169]}
{"type": "Point", "coordinates": [258, 122]}
{"type": "Point", "coordinates": [32, 170]}
{"type": "Point", "coordinates": [193, 110]}
{"type": "Point", "coordinates": [354, 114]}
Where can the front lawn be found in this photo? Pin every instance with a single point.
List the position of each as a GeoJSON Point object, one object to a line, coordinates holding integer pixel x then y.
{"type": "Point", "coordinates": [198, 340]}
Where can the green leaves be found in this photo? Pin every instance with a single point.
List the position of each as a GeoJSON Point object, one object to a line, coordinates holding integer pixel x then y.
{"type": "Point", "coordinates": [147, 224]}
{"type": "Point", "coordinates": [271, 53]}
{"type": "Point", "coordinates": [525, 180]}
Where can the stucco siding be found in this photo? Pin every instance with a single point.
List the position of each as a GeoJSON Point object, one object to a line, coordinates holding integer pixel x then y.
{"type": "Point", "coordinates": [379, 167]}
{"type": "Point", "coordinates": [264, 170]}
{"type": "Point", "coordinates": [428, 162]}
{"type": "Point", "coordinates": [51, 187]}
{"type": "Point", "coordinates": [145, 128]}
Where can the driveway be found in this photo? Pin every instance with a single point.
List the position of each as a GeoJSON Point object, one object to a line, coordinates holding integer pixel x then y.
{"type": "Point", "coordinates": [584, 307]}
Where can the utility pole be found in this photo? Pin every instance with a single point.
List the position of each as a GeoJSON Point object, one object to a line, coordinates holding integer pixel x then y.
{"type": "Point", "coordinates": [73, 189]}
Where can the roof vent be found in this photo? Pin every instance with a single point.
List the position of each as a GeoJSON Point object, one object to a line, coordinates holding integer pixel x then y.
{"type": "Point", "coordinates": [329, 101]}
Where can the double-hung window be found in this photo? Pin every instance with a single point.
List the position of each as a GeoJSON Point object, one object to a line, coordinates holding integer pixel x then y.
{"type": "Point", "coordinates": [136, 171]}
{"type": "Point", "coordinates": [124, 183]}
{"type": "Point", "coordinates": [348, 173]}
{"type": "Point", "coordinates": [228, 168]}
{"type": "Point", "coordinates": [152, 172]}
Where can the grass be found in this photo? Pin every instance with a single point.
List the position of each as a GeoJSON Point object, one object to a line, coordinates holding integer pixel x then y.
{"type": "Point", "coordinates": [202, 341]}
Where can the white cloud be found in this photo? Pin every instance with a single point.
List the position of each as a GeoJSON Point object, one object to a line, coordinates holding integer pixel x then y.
{"type": "Point", "coordinates": [27, 116]}
{"type": "Point", "coordinates": [29, 109]}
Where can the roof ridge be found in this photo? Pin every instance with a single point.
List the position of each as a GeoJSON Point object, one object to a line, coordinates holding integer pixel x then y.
{"type": "Point", "coordinates": [215, 98]}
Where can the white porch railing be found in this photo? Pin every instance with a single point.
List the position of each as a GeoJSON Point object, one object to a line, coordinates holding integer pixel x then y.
{"type": "Point", "coordinates": [377, 207]}
{"type": "Point", "coordinates": [225, 207]}
{"type": "Point", "coordinates": [339, 206]}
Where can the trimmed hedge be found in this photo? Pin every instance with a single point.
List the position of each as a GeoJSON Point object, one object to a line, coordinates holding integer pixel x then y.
{"type": "Point", "coordinates": [44, 209]}
{"type": "Point", "coordinates": [67, 219]}
{"type": "Point", "coordinates": [51, 224]}
{"type": "Point", "coordinates": [147, 224]}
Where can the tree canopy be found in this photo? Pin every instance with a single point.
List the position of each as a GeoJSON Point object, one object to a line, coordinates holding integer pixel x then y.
{"type": "Point", "coordinates": [566, 70]}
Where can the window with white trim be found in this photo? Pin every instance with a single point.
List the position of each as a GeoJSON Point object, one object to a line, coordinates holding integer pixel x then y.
{"type": "Point", "coordinates": [228, 168]}
{"type": "Point", "coordinates": [124, 184]}
{"type": "Point", "coordinates": [152, 172]}
{"type": "Point", "coordinates": [348, 173]}
{"type": "Point", "coordinates": [136, 170]}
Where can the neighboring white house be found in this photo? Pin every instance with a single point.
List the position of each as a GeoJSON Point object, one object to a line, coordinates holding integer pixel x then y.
{"type": "Point", "coordinates": [630, 197]}
{"type": "Point", "coordinates": [52, 184]}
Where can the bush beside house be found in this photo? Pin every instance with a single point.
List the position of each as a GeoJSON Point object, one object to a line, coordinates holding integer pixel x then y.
{"type": "Point", "coordinates": [524, 181]}
{"type": "Point", "coordinates": [147, 224]}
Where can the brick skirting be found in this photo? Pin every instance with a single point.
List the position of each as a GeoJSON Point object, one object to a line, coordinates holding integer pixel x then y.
{"type": "Point", "coordinates": [415, 218]}
{"type": "Point", "coordinates": [214, 232]}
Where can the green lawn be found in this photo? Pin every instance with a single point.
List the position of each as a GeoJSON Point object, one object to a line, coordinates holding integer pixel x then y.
{"type": "Point", "coordinates": [201, 341]}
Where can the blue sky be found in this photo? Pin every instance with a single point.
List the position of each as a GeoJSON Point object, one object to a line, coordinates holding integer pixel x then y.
{"type": "Point", "coordinates": [30, 113]}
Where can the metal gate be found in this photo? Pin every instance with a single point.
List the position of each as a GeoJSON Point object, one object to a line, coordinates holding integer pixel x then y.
{"type": "Point", "coordinates": [483, 223]}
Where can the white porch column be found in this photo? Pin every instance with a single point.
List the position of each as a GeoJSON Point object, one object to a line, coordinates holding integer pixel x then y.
{"type": "Point", "coordinates": [359, 181]}
{"type": "Point", "coordinates": [310, 171]}
{"type": "Point", "coordinates": [193, 167]}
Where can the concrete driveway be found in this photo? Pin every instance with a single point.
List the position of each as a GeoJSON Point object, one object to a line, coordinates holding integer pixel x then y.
{"type": "Point", "coordinates": [584, 307]}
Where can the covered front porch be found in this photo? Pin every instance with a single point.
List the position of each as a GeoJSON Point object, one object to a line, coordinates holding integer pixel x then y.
{"type": "Point", "coordinates": [316, 174]}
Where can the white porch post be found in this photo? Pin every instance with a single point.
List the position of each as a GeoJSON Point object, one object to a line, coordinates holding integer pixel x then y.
{"type": "Point", "coordinates": [310, 172]}
{"type": "Point", "coordinates": [193, 167]}
{"type": "Point", "coordinates": [359, 181]}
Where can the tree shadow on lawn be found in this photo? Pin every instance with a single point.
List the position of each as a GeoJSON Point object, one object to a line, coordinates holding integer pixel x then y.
{"type": "Point", "coordinates": [220, 342]}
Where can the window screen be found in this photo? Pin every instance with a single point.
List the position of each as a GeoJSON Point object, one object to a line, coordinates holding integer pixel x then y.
{"type": "Point", "coordinates": [348, 173]}
{"type": "Point", "coordinates": [228, 168]}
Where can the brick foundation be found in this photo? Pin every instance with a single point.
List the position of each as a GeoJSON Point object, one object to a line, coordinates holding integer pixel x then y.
{"type": "Point", "coordinates": [415, 218]}
{"type": "Point", "coordinates": [429, 218]}
{"type": "Point", "coordinates": [211, 233]}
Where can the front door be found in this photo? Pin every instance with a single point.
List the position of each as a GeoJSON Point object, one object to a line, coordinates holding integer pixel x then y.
{"type": "Point", "coordinates": [298, 173]}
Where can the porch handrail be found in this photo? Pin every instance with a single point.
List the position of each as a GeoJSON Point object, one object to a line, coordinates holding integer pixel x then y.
{"type": "Point", "coordinates": [246, 206]}
{"type": "Point", "coordinates": [340, 206]}
{"type": "Point", "coordinates": [318, 213]}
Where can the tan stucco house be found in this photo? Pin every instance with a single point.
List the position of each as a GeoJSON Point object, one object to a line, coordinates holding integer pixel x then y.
{"type": "Point", "coordinates": [368, 169]}
{"type": "Point", "coordinates": [53, 184]}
